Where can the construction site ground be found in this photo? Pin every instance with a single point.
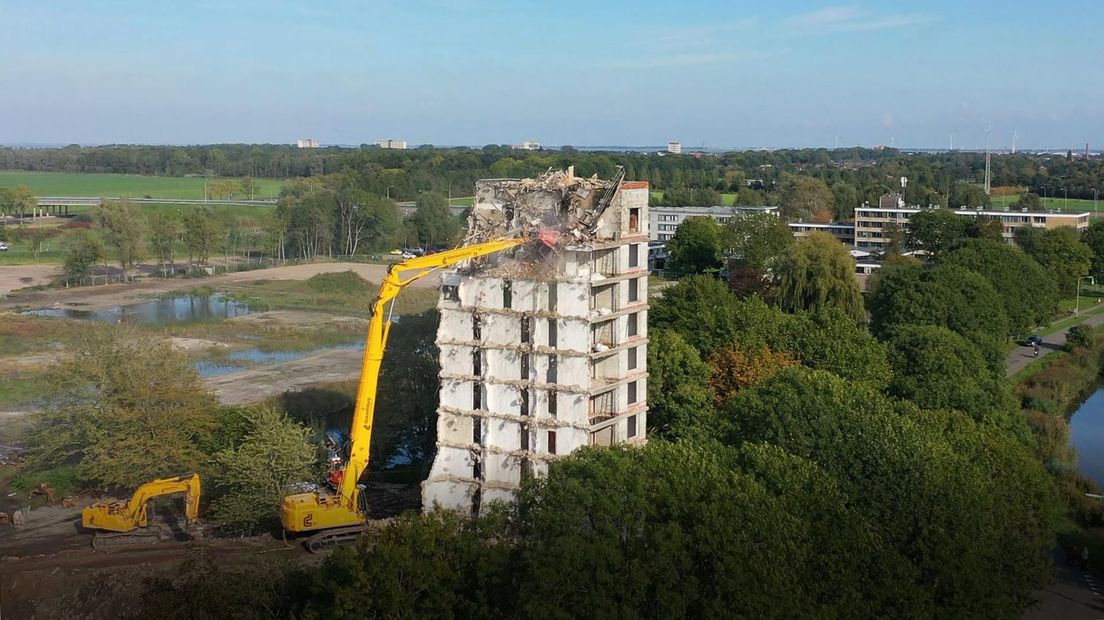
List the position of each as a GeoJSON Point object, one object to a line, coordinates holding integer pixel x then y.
{"type": "Point", "coordinates": [48, 568]}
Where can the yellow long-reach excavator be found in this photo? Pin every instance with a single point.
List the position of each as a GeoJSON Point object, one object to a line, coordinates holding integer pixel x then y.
{"type": "Point", "coordinates": [338, 517]}
{"type": "Point", "coordinates": [127, 521]}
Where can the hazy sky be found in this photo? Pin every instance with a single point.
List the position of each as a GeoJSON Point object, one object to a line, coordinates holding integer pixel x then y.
{"type": "Point", "coordinates": [724, 73]}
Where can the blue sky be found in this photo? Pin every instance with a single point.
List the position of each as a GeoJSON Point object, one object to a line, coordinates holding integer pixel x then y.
{"type": "Point", "coordinates": [775, 74]}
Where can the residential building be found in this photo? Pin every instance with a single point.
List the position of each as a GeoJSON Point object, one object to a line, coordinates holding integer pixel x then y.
{"type": "Point", "coordinates": [664, 221]}
{"type": "Point", "coordinates": [308, 143]}
{"type": "Point", "coordinates": [529, 145]}
{"type": "Point", "coordinates": [843, 231]}
{"type": "Point", "coordinates": [675, 148]}
{"type": "Point", "coordinates": [391, 144]}
{"type": "Point", "coordinates": [541, 356]}
{"type": "Point", "coordinates": [874, 224]}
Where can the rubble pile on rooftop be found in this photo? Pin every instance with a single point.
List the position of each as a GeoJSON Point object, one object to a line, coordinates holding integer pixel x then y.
{"type": "Point", "coordinates": [556, 201]}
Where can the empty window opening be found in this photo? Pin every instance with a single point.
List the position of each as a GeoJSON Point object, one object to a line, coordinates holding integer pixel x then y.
{"type": "Point", "coordinates": [632, 358]}
{"type": "Point", "coordinates": [450, 292]}
{"type": "Point", "coordinates": [477, 431]}
{"type": "Point", "coordinates": [631, 431]}
{"type": "Point", "coordinates": [524, 437]}
{"type": "Point", "coordinates": [526, 330]}
{"type": "Point", "coordinates": [553, 369]}
{"type": "Point", "coordinates": [552, 403]}
{"type": "Point", "coordinates": [553, 292]}
{"type": "Point", "coordinates": [507, 294]}
{"type": "Point", "coordinates": [477, 364]}
{"type": "Point", "coordinates": [633, 327]}
{"type": "Point", "coordinates": [632, 392]}
{"type": "Point", "coordinates": [634, 220]}
{"type": "Point", "coordinates": [634, 255]}
{"type": "Point", "coordinates": [525, 402]}
{"type": "Point", "coordinates": [477, 327]}
{"type": "Point", "coordinates": [551, 442]}
{"type": "Point", "coordinates": [525, 366]}
{"type": "Point", "coordinates": [552, 333]}
{"type": "Point", "coordinates": [477, 397]}
{"type": "Point", "coordinates": [634, 290]}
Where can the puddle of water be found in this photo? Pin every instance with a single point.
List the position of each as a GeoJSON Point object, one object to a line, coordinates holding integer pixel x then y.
{"type": "Point", "coordinates": [157, 312]}
{"type": "Point", "coordinates": [255, 356]}
{"type": "Point", "coordinates": [1087, 436]}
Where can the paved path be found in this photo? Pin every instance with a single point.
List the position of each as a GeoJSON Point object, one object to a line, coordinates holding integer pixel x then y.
{"type": "Point", "coordinates": [1074, 596]}
{"type": "Point", "coordinates": [1053, 341]}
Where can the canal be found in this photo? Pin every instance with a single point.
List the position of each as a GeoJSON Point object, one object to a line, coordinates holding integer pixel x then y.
{"type": "Point", "coordinates": [1087, 437]}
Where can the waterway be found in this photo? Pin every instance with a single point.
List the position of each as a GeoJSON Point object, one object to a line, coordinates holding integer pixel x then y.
{"type": "Point", "coordinates": [1087, 436]}
{"type": "Point", "coordinates": [239, 360]}
{"type": "Point", "coordinates": [158, 312]}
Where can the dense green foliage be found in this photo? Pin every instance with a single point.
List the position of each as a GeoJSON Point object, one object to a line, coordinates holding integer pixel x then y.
{"type": "Point", "coordinates": [696, 246]}
{"type": "Point", "coordinates": [1061, 253]}
{"type": "Point", "coordinates": [819, 273]}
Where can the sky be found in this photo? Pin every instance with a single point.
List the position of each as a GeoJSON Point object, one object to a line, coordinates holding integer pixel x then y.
{"type": "Point", "coordinates": [785, 73]}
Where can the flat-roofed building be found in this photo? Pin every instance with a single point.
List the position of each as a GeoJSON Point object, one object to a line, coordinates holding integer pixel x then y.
{"type": "Point", "coordinates": [874, 224]}
{"type": "Point", "coordinates": [843, 231]}
{"type": "Point", "coordinates": [664, 221]}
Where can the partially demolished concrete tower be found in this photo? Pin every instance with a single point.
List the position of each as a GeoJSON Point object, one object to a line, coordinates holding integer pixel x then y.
{"type": "Point", "coordinates": [543, 350]}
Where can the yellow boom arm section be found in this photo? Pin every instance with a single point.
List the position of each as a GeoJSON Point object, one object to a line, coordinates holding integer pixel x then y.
{"type": "Point", "coordinates": [306, 512]}
{"type": "Point", "coordinates": [127, 515]}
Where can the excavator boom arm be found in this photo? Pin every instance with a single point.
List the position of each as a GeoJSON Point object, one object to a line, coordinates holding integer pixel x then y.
{"type": "Point", "coordinates": [398, 277]}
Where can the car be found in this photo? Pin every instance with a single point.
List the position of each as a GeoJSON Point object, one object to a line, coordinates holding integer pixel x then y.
{"type": "Point", "coordinates": [1033, 341]}
{"type": "Point", "coordinates": [3, 247]}
{"type": "Point", "coordinates": [395, 252]}
{"type": "Point", "coordinates": [409, 254]}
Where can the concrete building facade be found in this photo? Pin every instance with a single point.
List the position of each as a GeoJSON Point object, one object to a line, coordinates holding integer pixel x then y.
{"type": "Point", "coordinates": [544, 355]}
{"type": "Point", "coordinates": [874, 224]}
{"type": "Point", "coordinates": [843, 231]}
{"type": "Point", "coordinates": [664, 221]}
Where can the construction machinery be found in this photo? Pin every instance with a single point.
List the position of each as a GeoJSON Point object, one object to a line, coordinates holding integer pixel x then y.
{"type": "Point", "coordinates": [127, 521]}
{"type": "Point", "coordinates": [339, 516]}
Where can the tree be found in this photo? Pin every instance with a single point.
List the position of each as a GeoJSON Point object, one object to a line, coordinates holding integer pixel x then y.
{"type": "Point", "coordinates": [200, 233]}
{"type": "Point", "coordinates": [732, 369]}
{"type": "Point", "coordinates": [251, 478]}
{"type": "Point", "coordinates": [364, 217]}
{"type": "Point", "coordinates": [248, 187]}
{"type": "Point", "coordinates": [680, 401]}
{"type": "Point", "coordinates": [695, 247]}
{"type": "Point", "coordinates": [1080, 337]}
{"type": "Point", "coordinates": [1061, 252]}
{"type": "Point", "coordinates": [921, 479]}
{"type": "Point", "coordinates": [819, 273]}
{"type": "Point", "coordinates": [1029, 295]}
{"type": "Point", "coordinates": [802, 197]}
{"type": "Point", "coordinates": [21, 200]}
{"type": "Point", "coordinates": [986, 227]}
{"type": "Point", "coordinates": [758, 240]}
{"type": "Point", "coordinates": [938, 369]}
{"type": "Point", "coordinates": [846, 198]}
{"type": "Point", "coordinates": [937, 230]}
{"type": "Point", "coordinates": [81, 251]}
{"type": "Point", "coordinates": [36, 241]}
{"type": "Point", "coordinates": [123, 230]}
{"type": "Point", "coordinates": [971, 196]}
{"type": "Point", "coordinates": [164, 232]}
{"type": "Point", "coordinates": [701, 310]}
{"type": "Point", "coordinates": [1029, 201]}
{"type": "Point", "coordinates": [124, 408]}
{"type": "Point", "coordinates": [1093, 237]}
{"type": "Point", "coordinates": [433, 221]}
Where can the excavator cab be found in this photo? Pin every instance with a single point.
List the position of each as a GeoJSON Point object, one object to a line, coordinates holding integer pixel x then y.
{"type": "Point", "coordinates": [127, 521]}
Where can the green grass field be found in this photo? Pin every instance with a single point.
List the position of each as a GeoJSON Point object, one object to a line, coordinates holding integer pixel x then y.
{"type": "Point", "coordinates": [1050, 203]}
{"type": "Point", "coordinates": [727, 200]}
{"type": "Point", "coordinates": [132, 185]}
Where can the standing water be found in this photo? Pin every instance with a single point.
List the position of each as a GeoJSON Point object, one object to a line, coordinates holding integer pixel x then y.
{"type": "Point", "coordinates": [158, 312]}
{"type": "Point", "coordinates": [1087, 436]}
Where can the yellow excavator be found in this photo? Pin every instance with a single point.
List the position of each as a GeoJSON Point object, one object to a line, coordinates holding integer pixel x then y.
{"type": "Point", "coordinates": [127, 521]}
{"type": "Point", "coordinates": [339, 517]}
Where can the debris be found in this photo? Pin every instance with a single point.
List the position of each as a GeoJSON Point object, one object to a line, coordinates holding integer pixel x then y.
{"type": "Point", "coordinates": [18, 518]}
{"type": "Point", "coordinates": [42, 489]}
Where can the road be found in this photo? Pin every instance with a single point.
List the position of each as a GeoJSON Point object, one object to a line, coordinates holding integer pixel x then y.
{"type": "Point", "coordinates": [1052, 342]}
{"type": "Point", "coordinates": [1074, 596]}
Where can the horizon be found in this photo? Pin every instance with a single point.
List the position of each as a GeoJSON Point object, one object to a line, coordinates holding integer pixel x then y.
{"type": "Point", "coordinates": [796, 74]}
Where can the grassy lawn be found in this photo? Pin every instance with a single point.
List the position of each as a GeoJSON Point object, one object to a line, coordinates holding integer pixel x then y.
{"type": "Point", "coordinates": [466, 201]}
{"type": "Point", "coordinates": [1050, 202]}
{"type": "Point", "coordinates": [344, 292]}
{"type": "Point", "coordinates": [134, 185]}
{"type": "Point", "coordinates": [727, 200]}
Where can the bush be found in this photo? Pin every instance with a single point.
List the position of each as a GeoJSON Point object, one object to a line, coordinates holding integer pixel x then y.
{"type": "Point", "coordinates": [344, 283]}
{"type": "Point", "coordinates": [1080, 337]}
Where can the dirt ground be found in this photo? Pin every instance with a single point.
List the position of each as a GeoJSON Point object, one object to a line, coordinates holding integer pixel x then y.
{"type": "Point", "coordinates": [19, 276]}
{"type": "Point", "coordinates": [111, 295]}
{"type": "Point", "coordinates": [255, 384]}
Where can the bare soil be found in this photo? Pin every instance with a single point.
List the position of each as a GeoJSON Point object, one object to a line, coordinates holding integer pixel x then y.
{"type": "Point", "coordinates": [112, 295]}
{"type": "Point", "coordinates": [20, 276]}
{"type": "Point", "coordinates": [256, 384]}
